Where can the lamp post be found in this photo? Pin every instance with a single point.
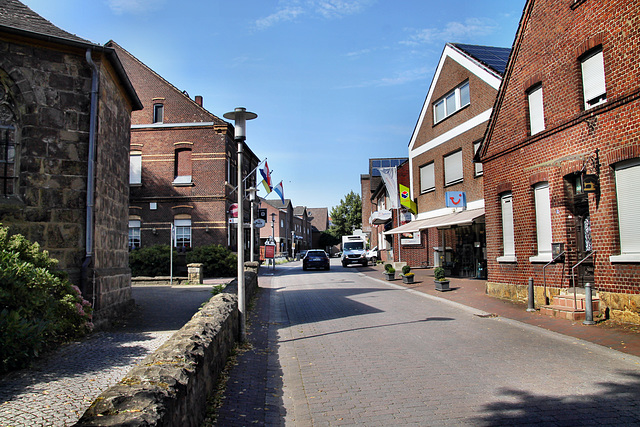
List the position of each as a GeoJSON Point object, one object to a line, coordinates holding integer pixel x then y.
{"type": "Point", "coordinates": [252, 198]}
{"type": "Point", "coordinates": [273, 238]}
{"type": "Point", "coordinates": [240, 116]}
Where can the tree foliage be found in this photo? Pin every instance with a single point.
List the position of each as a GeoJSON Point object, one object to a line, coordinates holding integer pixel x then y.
{"type": "Point", "coordinates": [347, 216]}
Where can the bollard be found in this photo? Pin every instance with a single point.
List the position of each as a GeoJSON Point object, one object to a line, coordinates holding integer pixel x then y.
{"type": "Point", "coordinates": [532, 296]}
{"type": "Point", "coordinates": [588, 309]}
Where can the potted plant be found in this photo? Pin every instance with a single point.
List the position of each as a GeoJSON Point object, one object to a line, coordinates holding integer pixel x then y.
{"type": "Point", "coordinates": [442, 284]}
{"type": "Point", "coordinates": [407, 275]}
{"type": "Point", "coordinates": [389, 272]}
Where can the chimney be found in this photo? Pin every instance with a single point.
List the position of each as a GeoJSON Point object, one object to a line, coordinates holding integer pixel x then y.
{"type": "Point", "coordinates": [199, 100]}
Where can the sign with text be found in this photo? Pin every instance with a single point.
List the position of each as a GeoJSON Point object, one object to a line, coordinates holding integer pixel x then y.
{"type": "Point", "coordinates": [269, 251]}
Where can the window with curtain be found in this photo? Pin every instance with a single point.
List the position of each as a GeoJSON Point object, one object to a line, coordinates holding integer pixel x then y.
{"type": "Point", "coordinates": [593, 81]}
{"type": "Point", "coordinates": [543, 223]}
{"type": "Point", "coordinates": [627, 176]}
{"type": "Point", "coordinates": [453, 168]}
{"type": "Point", "coordinates": [508, 233]}
{"type": "Point", "coordinates": [135, 167]}
{"type": "Point", "coordinates": [427, 178]}
{"type": "Point", "coordinates": [536, 110]}
{"type": "Point", "coordinates": [182, 233]}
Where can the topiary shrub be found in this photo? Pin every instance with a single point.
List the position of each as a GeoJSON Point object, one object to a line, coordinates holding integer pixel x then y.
{"type": "Point", "coordinates": [151, 261]}
{"type": "Point", "coordinates": [438, 274]}
{"type": "Point", "coordinates": [216, 260]}
{"type": "Point", "coordinates": [40, 308]}
{"type": "Point", "coordinates": [406, 269]}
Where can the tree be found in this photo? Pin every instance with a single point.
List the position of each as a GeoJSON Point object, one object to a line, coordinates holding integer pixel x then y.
{"type": "Point", "coordinates": [347, 216]}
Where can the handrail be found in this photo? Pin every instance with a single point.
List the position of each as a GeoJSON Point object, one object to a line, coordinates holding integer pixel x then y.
{"type": "Point", "coordinates": [544, 276]}
{"type": "Point", "coordinates": [573, 278]}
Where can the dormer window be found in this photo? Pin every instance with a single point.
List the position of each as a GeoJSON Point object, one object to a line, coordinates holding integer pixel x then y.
{"type": "Point", "coordinates": [451, 102]}
{"type": "Point", "coordinates": [158, 113]}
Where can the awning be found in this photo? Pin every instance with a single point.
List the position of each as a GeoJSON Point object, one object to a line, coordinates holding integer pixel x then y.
{"type": "Point", "coordinates": [380, 217]}
{"type": "Point", "coordinates": [457, 218]}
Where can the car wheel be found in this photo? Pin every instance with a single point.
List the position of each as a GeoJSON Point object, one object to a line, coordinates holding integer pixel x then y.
{"type": "Point", "coordinates": [344, 264]}
{"type": "Point", "coordinates": [374, 260]}
{"type": "Point", "coordinates": [304, 267]}
{"type": "Point", "coordinates": [327, 267]}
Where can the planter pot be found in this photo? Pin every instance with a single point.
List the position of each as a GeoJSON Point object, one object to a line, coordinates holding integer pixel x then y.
{"type": "Point", "coordinates": [442, 285]}
{"type": "Point", "coordinates": [390, 276]}
{"type": "Point", "coordinates": [407, 279]}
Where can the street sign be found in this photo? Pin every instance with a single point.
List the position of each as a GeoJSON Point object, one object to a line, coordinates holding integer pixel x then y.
{"type": "Point", "coordinates": [259, 223]}
{"type": "Point", "coordinates": [262, 214]}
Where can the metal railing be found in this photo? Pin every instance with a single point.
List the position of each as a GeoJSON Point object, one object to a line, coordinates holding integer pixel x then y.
{"type": "Point", "coordinates": [544, 276]}
{"type": "Point", "coordinates": [573, 277]}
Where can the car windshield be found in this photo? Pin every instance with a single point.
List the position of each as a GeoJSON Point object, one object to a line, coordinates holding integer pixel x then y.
{"type": "Point", "coordinates": [352, 246]}
{"type": "Point", "coordinates": [316, 253]}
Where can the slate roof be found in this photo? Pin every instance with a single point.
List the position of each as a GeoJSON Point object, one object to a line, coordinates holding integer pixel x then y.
{"type": "Point", "coordinates": [493, 57]}
{"type": "Point", "coordinates": [17, 16]}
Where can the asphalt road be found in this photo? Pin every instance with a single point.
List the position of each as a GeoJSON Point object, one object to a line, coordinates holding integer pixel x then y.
{"type": "Point", "coordinates": [345, 349]}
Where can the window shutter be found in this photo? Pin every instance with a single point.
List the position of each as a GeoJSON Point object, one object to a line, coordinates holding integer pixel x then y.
{"type": "Point", "coordinates": [427, 178]}
{"type": "Point", "coordinates": [627, 181]}
{"type": "Point", "coordinates": [135, 168]}
{"type": "Point", "coordinates": [453, 168]}
{"type": "Point", "coordinates": [536, 110]}
{"type": "Point", "coordinates": [464, 95]}
{"type": "Point", "coordinates": [478, 165]}
{"type": "Point", "coordinates": [508, 235]}
{"type": "Point", "coordinates": [134, 223]}
{"type": "Point", "coordinates": [543, 218]}
{"type": "Point", "coordinates": [593, 83]}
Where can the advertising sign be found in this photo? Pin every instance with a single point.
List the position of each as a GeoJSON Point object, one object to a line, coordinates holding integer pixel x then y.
{"type": "Point", "coordinates": [456, 199]}
{"type": "Point", "coordinates": [262, 214]}
{"type": "Point", "coordinates": [270, 251]}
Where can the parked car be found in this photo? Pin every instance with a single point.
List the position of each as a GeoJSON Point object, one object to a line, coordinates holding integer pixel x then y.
{"type": "Point", "coordinates": [316, 258]}
{"type": "Point", "coordinates": [301, 255]}
{"type": "Point", "coordinates": [372, 255]}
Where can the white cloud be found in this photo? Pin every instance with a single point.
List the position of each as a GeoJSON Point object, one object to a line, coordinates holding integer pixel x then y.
{"type": "Point", "coordinates": [454, 31]}
{"type": "Point", "coordinates": [401, 78]}
{"type": "Point", "coordinates": [290, 10]}
{"type": "Point", "coordinates": [339, 8]}
{"type": "Point", "coordinates": [134, 6]}
{"type": "Point", "coordinates": [283, 15]}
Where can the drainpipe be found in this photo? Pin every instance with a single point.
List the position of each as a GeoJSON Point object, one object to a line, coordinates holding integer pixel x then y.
{"type": "Point", "coordinates": [93, 119]}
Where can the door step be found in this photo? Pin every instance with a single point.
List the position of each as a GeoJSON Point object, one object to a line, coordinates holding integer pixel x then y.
{"type": "Point", "coordinates": [563, 307]}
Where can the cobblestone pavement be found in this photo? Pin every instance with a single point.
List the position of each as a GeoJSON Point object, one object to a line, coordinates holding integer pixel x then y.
{"type": "Point", "coordinates": [57, 390]}
{"type": "Point", "coordinates": [346, 349]}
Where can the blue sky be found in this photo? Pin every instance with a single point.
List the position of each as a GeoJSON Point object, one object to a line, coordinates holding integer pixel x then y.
{"type": "Point", "coordinates": [334, 82]}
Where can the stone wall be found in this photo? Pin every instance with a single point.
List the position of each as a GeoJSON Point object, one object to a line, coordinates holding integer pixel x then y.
{"type": "Point", "coordinates": [170, 387]}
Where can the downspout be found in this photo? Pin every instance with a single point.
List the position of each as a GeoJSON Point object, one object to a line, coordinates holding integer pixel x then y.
{"type": "Point", "coordinates": [93, 119]}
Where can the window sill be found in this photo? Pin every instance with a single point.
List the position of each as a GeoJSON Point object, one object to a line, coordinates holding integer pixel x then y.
{"type": "Point", "coordinates": [431, 190]}
{"type": "Point", "coordinates": [137, 184]}
{"type": "Point", "coordinates": [541, 258]}
{"type": "Point", "coordinates": [507, 258]}
{"type": "Point", "coordinates": [626, 258]}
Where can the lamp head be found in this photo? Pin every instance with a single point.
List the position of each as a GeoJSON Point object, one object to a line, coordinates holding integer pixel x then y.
{"type": "Point", "coordinates": [240, 116]}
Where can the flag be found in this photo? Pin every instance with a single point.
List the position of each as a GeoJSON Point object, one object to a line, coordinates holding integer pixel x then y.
{"type": "Point", "coordinates": [266, 175]}
{"type": "Point", "coordinates": [279, 191]}
{"type": "Point", "coordinates": [405, 199]}
{"type": "Point", "coordinates": [267, 187]}
{"type": "Point", "coordinates": [390, 178]}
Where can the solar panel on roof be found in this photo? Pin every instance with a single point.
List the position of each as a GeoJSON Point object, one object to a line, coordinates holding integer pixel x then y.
{"type": "Point", "coordinates": [493, 57]}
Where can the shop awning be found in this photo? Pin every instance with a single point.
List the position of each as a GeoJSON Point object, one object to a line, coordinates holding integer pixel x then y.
{"type": "Point", "coordinates": [457, 218]}
{"type": "Point", "coordinates": [380, 217]}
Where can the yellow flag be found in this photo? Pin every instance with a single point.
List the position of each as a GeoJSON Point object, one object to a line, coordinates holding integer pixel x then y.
{"type": "Point", "coordinates": [405, 199]}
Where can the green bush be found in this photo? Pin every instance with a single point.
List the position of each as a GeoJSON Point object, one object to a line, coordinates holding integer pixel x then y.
{"type": "Point", "coordinates": [40, 308]}
{"type": "Point", "coordinates": [406, 269]}
{"type": "Point", "coordinates": [151, 261]}
{"type": "Point", "coordinates": [388, 267]}
{"type": "Point", "coordinates": [216, 260]}
{"type": "Point", "coordinates": [438, 273]}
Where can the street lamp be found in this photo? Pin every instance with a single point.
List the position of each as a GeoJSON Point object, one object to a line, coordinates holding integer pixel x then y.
{"type": "Point", "coordinates": [240, 116]}
{"type": "Point", "coordinates": [273, 238]}
{"type": "Point", "coordinates": [252, 198]}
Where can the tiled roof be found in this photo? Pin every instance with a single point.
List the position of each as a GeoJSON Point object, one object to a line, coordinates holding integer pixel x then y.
{"type": "Point", "coordinates": [16, 15]}
{"type": "Point", "coordinates": [493, 57]}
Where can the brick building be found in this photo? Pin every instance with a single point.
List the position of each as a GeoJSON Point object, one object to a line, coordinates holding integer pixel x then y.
{"type": "Point", "coordinates": [65, 107]}
{"type": "Point", "coordinates": [319, 220]}
{"type": "Point", "coordinates": [447, 185]}
{"type": "Point", "coordinates": [183, 167]}
{"type": "Point", "coordinates": [291, 227]}
{"type": "Point", "coordinates": [561, 155]}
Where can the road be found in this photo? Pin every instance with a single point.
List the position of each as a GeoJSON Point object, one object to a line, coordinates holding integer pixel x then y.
{"type": "Point", "coordinates": [345, 349]}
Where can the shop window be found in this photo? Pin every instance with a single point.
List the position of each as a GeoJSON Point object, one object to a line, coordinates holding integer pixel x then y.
{"type": "Point", "coordinates": [427, 178]}
{"type": "Point", "coordinates": [508, 233]}
{"type": "Point", "coordinates": [135, 167]}
{"type": "Point", "coordinates": [593, 82]}
{"type": "Point", "coordinates": [453, 168]}
{"type": "Point", "coordinates": [134, 234]}
{"type": "Point", "coordinates": [627, 182]}
{"type": "Point", "coordinates": [543, 223]}
{"type": "Point", "coordinates": [536, 110]}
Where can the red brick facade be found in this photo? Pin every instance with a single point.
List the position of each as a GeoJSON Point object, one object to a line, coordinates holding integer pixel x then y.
{"type": "Point", "coordinates": [189, 142]}
{"type": "Point", "coordinates": [553, 38]}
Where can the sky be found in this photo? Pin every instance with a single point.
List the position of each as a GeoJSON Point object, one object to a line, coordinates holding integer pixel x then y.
{"type": "Point", "coordinates": [333, 82]}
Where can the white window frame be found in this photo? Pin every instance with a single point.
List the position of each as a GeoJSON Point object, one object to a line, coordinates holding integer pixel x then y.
{"type": "Point", "coordinates": [134, 231]}
{"type": "Point", "coordinates": [478, 165]}
{"type": "Point", "coordinates": [544, 234]}
{"type": "Point", "coordinates": [627, 178]}
{"type": "Point", "coordinates": [508, 229]}
{"type": "Point", "coordinates": [455, 103]}
{"type": "Point", "coordinates": [536, 110]}
{"type": "Point", "coordinates": [182, 231]}
{"type": "Point", "coordinates": [158, 113]}
{"type": "Point", "coordinates": [453, 168]}
{"type": "Point", "coordinates": [427, 178]}
{"type": "Point", "coordinates": [594, 87]}
{"type": "Point", "coordinates": [135, 168]}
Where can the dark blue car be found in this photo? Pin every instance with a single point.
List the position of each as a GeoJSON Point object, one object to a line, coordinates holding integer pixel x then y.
{"type": "Point", "coordinates": [315, 258]}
